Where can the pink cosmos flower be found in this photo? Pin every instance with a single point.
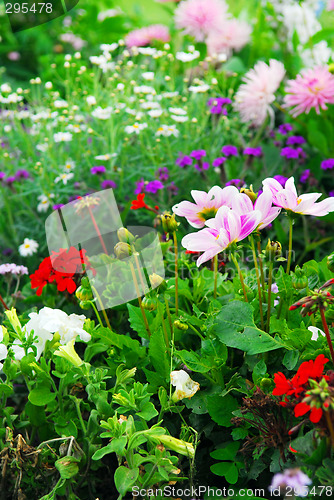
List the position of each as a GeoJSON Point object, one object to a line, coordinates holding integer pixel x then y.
{"type": "Point", "coordinates": [226, 228]}
{"type": "Point", "coordinates": [232, 35]}
{"type": "Point", "coordinates": [254, 97]}
{"type": "Point", "coordinates": [199, 18]}
{"type": "Point", "coordinates": [206, 204]}
{"type": "Point", "coordinates": [144, 36]}
{"type": "Point", "coordinates": [288, 198]}
{"type": "Point", "coordinates": [313, 88]}
{"type": "Point", "coordinates": [243, 205]}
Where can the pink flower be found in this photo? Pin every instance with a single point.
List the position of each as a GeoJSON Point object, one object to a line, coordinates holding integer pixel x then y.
{"type": "Point", "coordinates": [232, 35]}
{"type": "Point", "coordinates": [288, 198]}
{"type": "Point", "coordinates": [330, 5]}
{"type": "Point", "coordinates": [313, 88]}
{"type": "Point", "coordinates": [226, 228]}
{"type": "Point", "coordinates": [206, 204]}
{"type": "Point", "coordinates": [144, 36]}
{"type": "Point", "coordinates": [199, 18]}
{"type": "Point", "coordinates": [254, 97]}
{"type": "Point", "coordinates": [243, 205]}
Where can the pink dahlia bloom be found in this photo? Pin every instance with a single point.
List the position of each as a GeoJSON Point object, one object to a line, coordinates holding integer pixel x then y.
{"type": "Point", "coordinates": [288, 198]}
{"type": "Point", "coordinates": [144, 36]}
{"type": "Point", "coordinates": [232, 35]}
{"type": "Point", "coordinates": [255, 96]}
{"type": "Point", "coordinates": [206, 204]}
{"type": "Point", "coordinates": [243, 205]}
{"type": "Point", "coordinates": [226, 228]}
{"type": "Point", "coordinates": [199, 18]}
{"type": "Point", "coordinates": [313, 88]}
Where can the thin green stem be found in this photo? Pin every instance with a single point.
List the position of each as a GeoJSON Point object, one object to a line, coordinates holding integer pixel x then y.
{"type": "Point", "coordinates": [82, 423]}
{"type": "Point", "coordinates": [164, 329]}
{"type": "Point", "coordinates": [261, 269]}
{"type": "Point", "coordinates": [168, 315]}
{"type": "Point", "coordinates": [328, 336]}
{"type": "Point", "coordinates": [330, 426]}
{"type": "Point", "coordinates": [176, 274]}
{"type": "Point", "coordinates": [290, 245]}
{"type": "Point", "coordinates": [101, 305]}
{"type": "Point", "coordinates": [240, 276]}
{"type": "Point", "coordinates": [215, 270]}
{"type": "Point", "coordinates": [139, 299]}
{"type": "Point", "coordinates": [97, 314]}
{"type": "Point", "coordinates": [270, 281]}
{"type": "Point", "coordinates": [257, 279]}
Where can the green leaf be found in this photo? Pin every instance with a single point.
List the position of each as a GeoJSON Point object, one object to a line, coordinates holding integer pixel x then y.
{"type": "Point", "coordinates": [67, 467]}
{"type": "Point", "coordinates": [148, 411]}
{"type": "Point", "coordinates": [235, 328]}
{"type": "Point", "coordinates": [6, 389]}
{"type": "Point", "coordinates": [158, 353]}
{"type": "Point", "coordinates": [137, 322]}
{"type": "Point", "coordinates": [125, 478]}
{"type": "Point", "coordinates": [221, 408]}
{"type": "Point", "coordinates": [193, 362]}
{"type": "Point", "coordinates": [227, 452]}
{"type": "Point", "coordinates": [117, 446]}
{"type": "Point", "coordinates": [41, 395]}
{"type": "Point", "coordinates": [226, 469]}
{"type": "Point", "coordinates": [290, 359]}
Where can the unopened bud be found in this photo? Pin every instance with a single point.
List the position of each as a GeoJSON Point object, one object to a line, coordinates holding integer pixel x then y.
{"type": "Point", "coordinates": [125, 236]}
{"type": "Point", "coordinates": [149, 304]}
{"type": "Point", "coordinates": [250, 193]}
{"type": "Point", "coordinates": [180, 326]}
{"type": "Point", "coordinates": [122, 250]}
{"type": "Point", "coordinates": [169, 223]}
{"type": "Point", "coordinates": [83, 293]}
{"type": "Point", "coordinates": [299, 279]}
{"type": "Point", "coordinates": [273, 249]}
{"type": "Point", "coordinates": [158, 282]}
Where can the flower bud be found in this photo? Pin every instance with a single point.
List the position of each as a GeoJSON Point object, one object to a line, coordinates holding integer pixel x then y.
{"type": "Point", "coordinates": [158, 282]}
{"type": "Point", "coordinates": [149, 304]}
{"type": "Point", "coordinates": [122, 250]}
{"type": "Point", "coordinates": [169, 223]}
{"type": "Point", "coordinates": [273, 249]}
{"type": "Point", "coordinates": [250, 193]}
{"type": "Point", "coordinates": [266, 384]}
{"type": "Point", "coordinates": [85, 305]}
{"type": "Point", "coordinates": [180, 326]}
{"type": "Point", "coordinates": [68, 352]}
{"type": "Point", "coordinates": [84, 294]}
{"type": "Point", "coordinates": [331, 68]}
{"type": "Point", "coordinates": [330, 262]}
{"type": "Point", "coordinates": [299, 279]}
{"type": "Point", "coordinates": [125, 236]}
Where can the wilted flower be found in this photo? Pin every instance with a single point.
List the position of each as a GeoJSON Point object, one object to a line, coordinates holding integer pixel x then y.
{"type": "Point", "coordinates": [185, 387]}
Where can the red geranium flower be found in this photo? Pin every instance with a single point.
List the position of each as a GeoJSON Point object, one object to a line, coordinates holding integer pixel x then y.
{"type": "Point", "coordinates": [302, 408]}
{"type": "Point", "coordinates": [139, 202]}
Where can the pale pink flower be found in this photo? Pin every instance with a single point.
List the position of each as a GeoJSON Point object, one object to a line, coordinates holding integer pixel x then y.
{"type": "Point", "coordinates": [313, 88]}
{"type": "Point", "coordinates": [330, 5]}
{"type": "Point", "coordinates": [288, 198]}
{"type": "Point", "coordinates": [226, 228]}
{"type": "Point", "coordinates": [232, 35]}
{"type": "Point", "coordinates": [199, 18]}
{"type": "Point", "coordinates": [144, 36]}
{"type": "Point", "coordinates": [206, 204]}
{"type": "Point", "coordinates": [255, 96]}
{"type": "Point", "coordinates": [243, 205]}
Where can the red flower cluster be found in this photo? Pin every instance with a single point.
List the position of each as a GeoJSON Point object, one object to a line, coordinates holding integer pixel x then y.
{"type": "Point", "coordinates": [139, 202]}
{"type": "Point", "coordinates": [61, 267]}
{"type": "Point", "coordinates": [299, 384]}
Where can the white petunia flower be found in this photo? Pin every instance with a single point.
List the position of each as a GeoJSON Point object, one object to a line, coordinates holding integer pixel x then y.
{"type": "Point", "coordinates": [185, 387]}
{"type": "Point", "coordinates": [28, 247]}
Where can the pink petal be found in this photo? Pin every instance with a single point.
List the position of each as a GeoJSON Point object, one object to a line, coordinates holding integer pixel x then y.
{"type": "Point", "coordinates": [242, 204]}
{"type": "Point", "coordinates": [286, 199]}
{"type": "Point", "coordinates": [272, 184]}
{"type": "Point", "coordinates": [322, 208]}
{"type": "Point", "coordinates": [290, 185]}
{"type": "Point", "coordinates": [249, 223]}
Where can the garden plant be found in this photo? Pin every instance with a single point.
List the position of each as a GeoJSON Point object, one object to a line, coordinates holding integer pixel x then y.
{"type": "Point", "coordinates": [166, 251]}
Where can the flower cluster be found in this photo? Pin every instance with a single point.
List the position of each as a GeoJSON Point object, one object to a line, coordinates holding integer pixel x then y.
{"type": "Point", "coordinates": [12, 269]}
{"type": "Point", "coordinates": [295, 390]}
{"type": "Point", "coordinates": [62, 267]}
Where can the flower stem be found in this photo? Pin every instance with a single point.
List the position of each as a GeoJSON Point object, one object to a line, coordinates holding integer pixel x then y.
{"type": "Point", "coordinates": [101, 305]}
{"type": "Point", "coordinates": [96, 312]}
{"type": "Point", "coordinates": [261, 268]}
{"type": "Point", "coordinates": [97, 230]}
{"type": "Point", "coordinates": [176, 274]}
{"type": "Point", "coordinates": [270, 281]}
{"type": "Point", "coordinates": [326, 330]}
{"type": "Point", "coordinates": [215, 270]}
{"type": "Point", "coordinates": [257, 279]}
{"type": "Point", "coordinates": [290, 246]}
{"type": "Point", "coordinates": [164, 329]}
{"type": "Point", "coordinates": [4, 303]}
{"type": "Point", "coordinates": [240, 276]}
{"type": "Point", "coordinates": [330, 426]}
{"type": "Point", "coordinates": [168, 315]}
{"type": "Point", "coordinates": [139, 299]}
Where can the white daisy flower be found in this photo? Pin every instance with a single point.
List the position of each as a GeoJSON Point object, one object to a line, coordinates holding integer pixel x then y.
{"type": "Point", "coordinates": [102, 113]}
{"type": "Point", "coordinates": [148, 75]}
{"type": "Point", "coordinates": [187, 56]}
{"type": "Point", "coordinates": [44, 202]}
{"type": "Point", "coordinates": [91, 101]}
{"type": "Point", "coordinates": [144, 89]}
{"type": "Point", "coordinates": [64, 178]}
{"type": "Point", "coordinates": [105, 157]}
{"type": "Point", "coordinates": [136, 128]}
{"type": "Point", "coordinates": [155, 113]}
{"type": "Point", "coordinates": [28, 247]}
{"type": "Point", "coordinates": [199, 88]}
{"type": "Point", "coordinates": [62, 137]}
{"type": "Point", "coordinates": [179, 119]}
{"type": "Point", "coordinates": [177, 111]}
{"type": "Point", "coordinates": [167, 131]}
{"type": "Point", "coordinates": [60, 103]}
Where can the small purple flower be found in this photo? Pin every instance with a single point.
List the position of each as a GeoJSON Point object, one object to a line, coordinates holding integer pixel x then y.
{"type": "Point", "coordinates": [198, 154]}
{"type": "Point", "coordinates": [57, 206]}
{"type": "Point", "coordinates": [229, 150]}
{"type": "Point", "coordinates": [22, 174]}
{"type": "Point", "coordinates": [331, 194]}
{"type": "Point", "coordinates": [98, 170]}
{"type": "Point", "coordinates": [140, 186]}
{"type": "Point", "coordinates": [163, 174]}
{"type": "Point", "coordinates": [281, 179]}
{"type": "Point", "coordinates": [183, 160]}
{"type": "Point", "coordinates": [294, 479]}
{"type": "Point", "coordinates": [108, 184]}
{"type": "Point", "coordinates": [153, 187]}
{"type": "Point", "coordinates": [216, 105]}
{"type": "Point", "coordinates": [10, 180]}
{"type": "Point", "coordinates": [285, 128]}
{"type": "Point", "coordinates": [218, 161]}
{"type": "Point", "coordinates": [295, 139]}
{"type": "Point", "coordinates": [305, 175]}
{"type": "Point", "coordinates": [235, 182]}
{"type": "Point", "coordinates": [173, 189]}
{"type": "Point", "coordinates": [291, 153]}
{"type": "Point", "coordinates": [327, 164]}
{"type": "Point", "coordinates": [256, 152]}
{"type": "Point", "coordinates": [202, 166]}
{"type": "Point", "coordinates": [7, 251]}
{"type": "Point", "coordinates": [2, 175]}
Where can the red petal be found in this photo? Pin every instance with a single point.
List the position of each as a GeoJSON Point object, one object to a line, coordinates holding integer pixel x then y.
{"type": "Point", "coordinates": [315, 415]}
{"type": "Point", "coordinates": [301, 409]}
